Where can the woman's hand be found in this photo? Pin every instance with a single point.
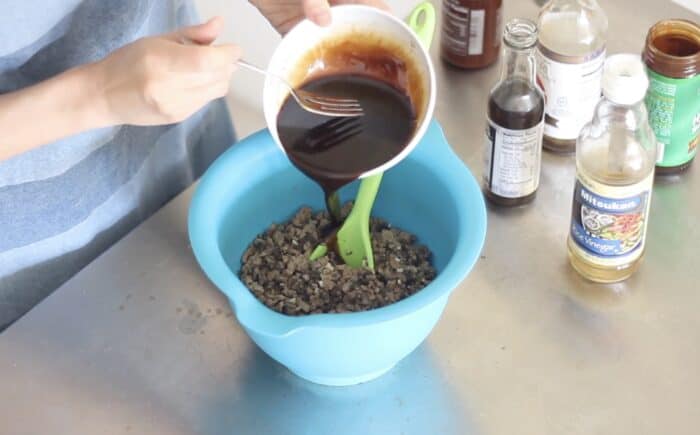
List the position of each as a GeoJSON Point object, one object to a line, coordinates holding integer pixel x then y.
{"type": "Point", "coordinates": [164, 79]}
{"type": "Point", "coordinates": [284, 14]}
{"type": "Point", "coordinates": [157, 80]}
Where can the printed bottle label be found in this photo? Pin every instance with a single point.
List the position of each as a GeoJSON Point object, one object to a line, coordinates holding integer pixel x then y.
{"type": "Point", "coordinates": [476, 32]}
{"type": "Point", "coordinates": [572, 89]}
{"type": "Point", "coordinates": [608, 223]}
{"type": "Point", "coordinates": [463, 29]}
{"type": "Point", "coordinates": [674, 115]}
{"type": "Point", "coordinates": [512, 160]}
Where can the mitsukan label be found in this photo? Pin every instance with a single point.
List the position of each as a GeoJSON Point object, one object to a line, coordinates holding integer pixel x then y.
{"type": "Point", "coordinates": [608, 227]}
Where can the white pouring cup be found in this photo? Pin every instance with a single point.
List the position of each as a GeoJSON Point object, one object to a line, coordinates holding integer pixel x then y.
{"type": "Point", "coordinates": [294, 61]}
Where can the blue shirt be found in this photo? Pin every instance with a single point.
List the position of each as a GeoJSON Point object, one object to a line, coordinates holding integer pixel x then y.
{"type": "Point", "coordinates": [64, 203]}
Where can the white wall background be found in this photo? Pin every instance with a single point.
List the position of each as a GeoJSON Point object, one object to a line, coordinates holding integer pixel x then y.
{"type": "Point", "coordinates": [693, 5]}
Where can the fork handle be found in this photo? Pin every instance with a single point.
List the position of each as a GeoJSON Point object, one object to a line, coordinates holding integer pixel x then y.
{"type": "Point", "coordinates": [240, 62]}
{"type": "Point", "coordinates": [251, 67]}
{"type": "Point", "coordinates": [266, 73]}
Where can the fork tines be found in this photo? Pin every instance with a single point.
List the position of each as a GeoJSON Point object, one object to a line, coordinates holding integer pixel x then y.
{"type": "Point", "coordinates": [330, 133]}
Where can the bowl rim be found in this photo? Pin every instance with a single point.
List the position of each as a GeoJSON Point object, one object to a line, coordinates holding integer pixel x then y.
{"type": "Point", "coordinates": [255, 316]}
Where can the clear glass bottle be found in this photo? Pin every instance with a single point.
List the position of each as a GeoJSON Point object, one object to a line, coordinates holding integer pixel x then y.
{"type": "Point", "coordinates": [570, 56]}
{"type": "Point", "coordinates": [513, 148]}
{"type": "Point", "coordinates": [615, 159]}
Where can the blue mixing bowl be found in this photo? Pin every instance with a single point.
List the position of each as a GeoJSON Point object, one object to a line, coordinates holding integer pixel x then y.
{"type": "Point", "coordinates": [431, 194]}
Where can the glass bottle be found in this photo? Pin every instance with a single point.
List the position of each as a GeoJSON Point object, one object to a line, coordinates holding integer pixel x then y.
{"type": "Point", "coordinates": [672, 57]}
{"type": "Point", "coordinates": [615, 160]}
{"type": "Point", "coordinates": [471, 32]}
{"type": "Point", "coordinates": [513, 146]}
{"type": "Point", "coordinates": [570, 57]}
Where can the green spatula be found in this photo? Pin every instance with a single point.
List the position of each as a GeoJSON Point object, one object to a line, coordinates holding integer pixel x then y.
{"type": "Point", "coordinates": [354, 242]}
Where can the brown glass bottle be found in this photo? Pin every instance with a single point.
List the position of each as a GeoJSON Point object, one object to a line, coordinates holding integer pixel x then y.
{"type": "Point", "coordinates": [672, 57]}
{"type": "Point", "coordinates": [515, 122]}
{"type": "Point", "coordinates": [471, 32]}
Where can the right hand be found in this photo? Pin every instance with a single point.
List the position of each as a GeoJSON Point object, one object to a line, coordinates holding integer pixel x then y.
{"type": "Point", "coordinates": [283, 15]}
{"type": "Point", "coordinates": [164, 79]}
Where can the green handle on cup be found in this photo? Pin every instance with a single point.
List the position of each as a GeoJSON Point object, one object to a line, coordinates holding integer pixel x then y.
{"type": "Point", "coordinates": [422, 21]}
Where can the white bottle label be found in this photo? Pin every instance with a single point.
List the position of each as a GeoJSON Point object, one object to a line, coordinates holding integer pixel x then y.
{"type": "Point", "coordinates": [476, 32]}
{"type": "Point", "coordinates": [512, 160]}
{"type": "Point", "coordinates": [463, 29]}
{"type": "Point", "coordinates": [572, 89]}
{"type": "Point", "coordinates": [609, 223]}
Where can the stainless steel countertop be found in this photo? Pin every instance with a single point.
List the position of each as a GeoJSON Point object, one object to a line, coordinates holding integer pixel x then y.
{"type": "Point", "coordinates": [140, 342]}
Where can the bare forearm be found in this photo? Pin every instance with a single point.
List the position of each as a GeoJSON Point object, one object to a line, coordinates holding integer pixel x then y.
{"type": "Point", "coordinates": [64, 105]}
{"type": "Point", "coordinates": [152, 81]}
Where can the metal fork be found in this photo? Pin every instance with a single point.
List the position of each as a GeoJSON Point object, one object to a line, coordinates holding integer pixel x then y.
{"type": "Point", "coordinates": [322, 105]}
{"type": "Point", "coordinates": [329, 134]}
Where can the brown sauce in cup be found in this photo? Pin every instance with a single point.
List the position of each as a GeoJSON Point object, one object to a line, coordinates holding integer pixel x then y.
{"type": "Point", "coordinates": [335, 151]}
{"type": "Point", "coordinates": [382, 76]}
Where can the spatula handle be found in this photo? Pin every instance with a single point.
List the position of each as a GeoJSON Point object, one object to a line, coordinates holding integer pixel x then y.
{"type": "Point", "coordinates": [366, 194]}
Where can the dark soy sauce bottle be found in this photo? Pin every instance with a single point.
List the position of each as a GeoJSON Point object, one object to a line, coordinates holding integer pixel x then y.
{"type": "Point", "coordinates": [513, 150]}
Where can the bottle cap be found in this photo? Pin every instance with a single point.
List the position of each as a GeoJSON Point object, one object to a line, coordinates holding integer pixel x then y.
{"type": "Point", "coordinates": [624, 79]}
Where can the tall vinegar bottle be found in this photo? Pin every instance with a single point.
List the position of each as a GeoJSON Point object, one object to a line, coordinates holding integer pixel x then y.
{"type": "Point", "coordinates": [615, 160]}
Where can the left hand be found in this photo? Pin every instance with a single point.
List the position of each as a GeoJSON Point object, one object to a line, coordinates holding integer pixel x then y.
{"type": "Point", "coordinates": [284, 14]}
